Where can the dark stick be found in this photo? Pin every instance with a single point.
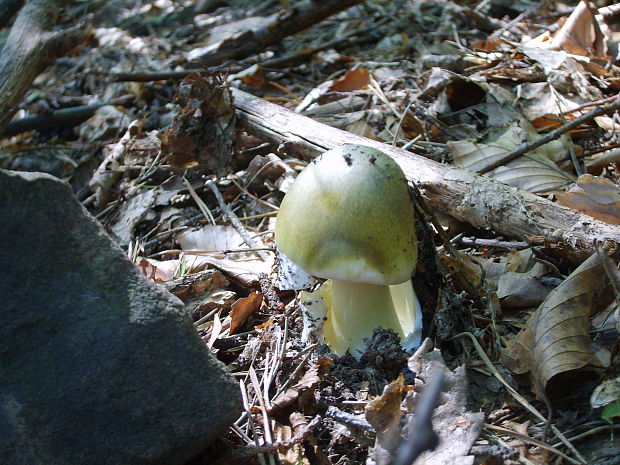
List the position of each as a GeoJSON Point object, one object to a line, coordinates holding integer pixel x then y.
{"type": "Point", "coordinates": [422, 437]}
{"type": "Point", "coordinates": [64, 117]}
{"type": "Point", "coordinates": [556, 133]}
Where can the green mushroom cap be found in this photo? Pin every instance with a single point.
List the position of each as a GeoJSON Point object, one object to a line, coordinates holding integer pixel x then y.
{"type": "Point", "coordinates": [348, 216]}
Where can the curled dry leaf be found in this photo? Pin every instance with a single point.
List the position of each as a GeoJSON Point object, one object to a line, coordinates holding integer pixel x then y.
{"type": "Point", "coordinates": [595, 196]}
{"type": "Point", "coordinates": [131, 213]}
{"type": "Point", "coordinates": [383, 413]}
{"type": "Point", "coordinates": [192, 285]}
{"type": "Point", "coordinates": [556, 338]}
{"type": "Point", "coordinates": [243, 308]}
{"type": "Point", "coordinates": [306, 384]}
{"type": "Point", "coordinates": [201, 133]}
{"type": "Point", "coordinates": [580, 34]}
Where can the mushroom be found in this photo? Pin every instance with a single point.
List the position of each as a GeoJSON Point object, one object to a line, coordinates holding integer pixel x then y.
{"type": "Point", "coordinates": [349, 217]}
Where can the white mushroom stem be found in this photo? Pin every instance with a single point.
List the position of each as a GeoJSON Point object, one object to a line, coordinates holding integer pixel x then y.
{"type": "Point", "coordinates": [358, 308]}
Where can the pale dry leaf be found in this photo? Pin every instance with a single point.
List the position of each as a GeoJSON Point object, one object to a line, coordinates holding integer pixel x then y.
{"type": "Point", "coordinates": [605, 393]}
{"type": "Point", "coordinates": [131, 213]}
{"type": "Point", "coordinates": [543, 105]}
{"type": "Point", "coordinates": [246, 272]}
{"type": "Point", "coordinates": [222, 32]}
{"type": "Point", "coordinates": [549, 60]}
{"type": "Point", "coordinates": [534, 172]}
{"type": "Point", "coordinates": [595, 196]}
{"type": "Point", "coordinates": [606, 123]}
{"type": "Point", "coordinates": [156, 271]}
{"type": "Point", "coordinates": [457, 426]}
{"type": "Point", "coordinates": [213, 238]}
{"type": "Point", "coordinates": [556, 338]}
{"type": "Point", "coordinates": [107, 121]}
{"type": "Point", "coordinates": [216, 329]}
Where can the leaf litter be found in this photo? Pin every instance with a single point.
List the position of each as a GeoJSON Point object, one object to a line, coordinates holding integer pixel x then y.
{"type": "Point", "coordinates": [191, 194]}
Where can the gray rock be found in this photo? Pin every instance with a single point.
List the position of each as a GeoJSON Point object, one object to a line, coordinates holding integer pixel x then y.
{"type": "Point", "coordinates": [97, 364]}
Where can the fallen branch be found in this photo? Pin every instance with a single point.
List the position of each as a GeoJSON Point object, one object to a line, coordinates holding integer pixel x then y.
{"type": "Point", "coordinates": [28, 50]}
{"type": "Point", "coordinates": [280, 25]}
{"type": "Point", "coordinates": [71, 116]}
{"type": "Point", "coordinates": [460, 193]}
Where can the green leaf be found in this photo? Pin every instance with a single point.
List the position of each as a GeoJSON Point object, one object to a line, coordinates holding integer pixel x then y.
{"type": "Point", "coordinates": [611, 410]}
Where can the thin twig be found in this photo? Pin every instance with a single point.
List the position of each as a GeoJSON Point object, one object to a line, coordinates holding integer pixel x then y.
{"type": "Point", "coordinates": [536, 442]}
{"type": "Point", "coordinates": [299, 367]}
{"type": "Point", "coordinates": [246, 405]}
{"type": "Point", "coordinates": [201, 205]}
{"type": "Point", "coordinates": [234, 220]}
{"type": "Point", "coordinates": [518, 397]}
{"type": "Point", "coordinates": [348, 419]}
{"type": "Point", "coordinates": [555, 134]}
{"type": "Point", "coordinates": [280, 445]}
{"type": "Point", "coordinates": [263, 408]}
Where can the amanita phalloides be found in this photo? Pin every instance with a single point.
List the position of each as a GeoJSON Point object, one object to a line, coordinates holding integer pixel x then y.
{"type": "Point", "coordinates": [348, 217]}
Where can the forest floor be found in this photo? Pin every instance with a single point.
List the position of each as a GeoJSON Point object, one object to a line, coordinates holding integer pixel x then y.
{"type": "Point", "coordinates": [163, 120]}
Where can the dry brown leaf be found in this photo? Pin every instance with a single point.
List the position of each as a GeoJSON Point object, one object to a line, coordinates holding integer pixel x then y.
{"type": "Point", "coordinates": [293, 455]}
{"type": "Point", "coordinates": [463, 265]}
{"type": "Point", "coordinates": [581, 34]}
{"type": "Point", "coordinates": [243, 308]}
{"type": "Point", "coordinates": [556, 338]}
{"type": "Point", "coordinates": [306, 384]}
{"type": "Point", "coordinates": [197, 284]}
{"type": "Point", "coordinates": [520, 290]}
{"type": "Point", "coordinates": [357, 79]}
{"type": "Point", "coordinates": [594, 196]}
{"type": "Point", "coordinates": [384, 411]}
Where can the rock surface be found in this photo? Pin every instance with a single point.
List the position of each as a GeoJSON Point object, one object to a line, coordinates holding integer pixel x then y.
{"type": "Point", "coordinates": [97, 364]}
